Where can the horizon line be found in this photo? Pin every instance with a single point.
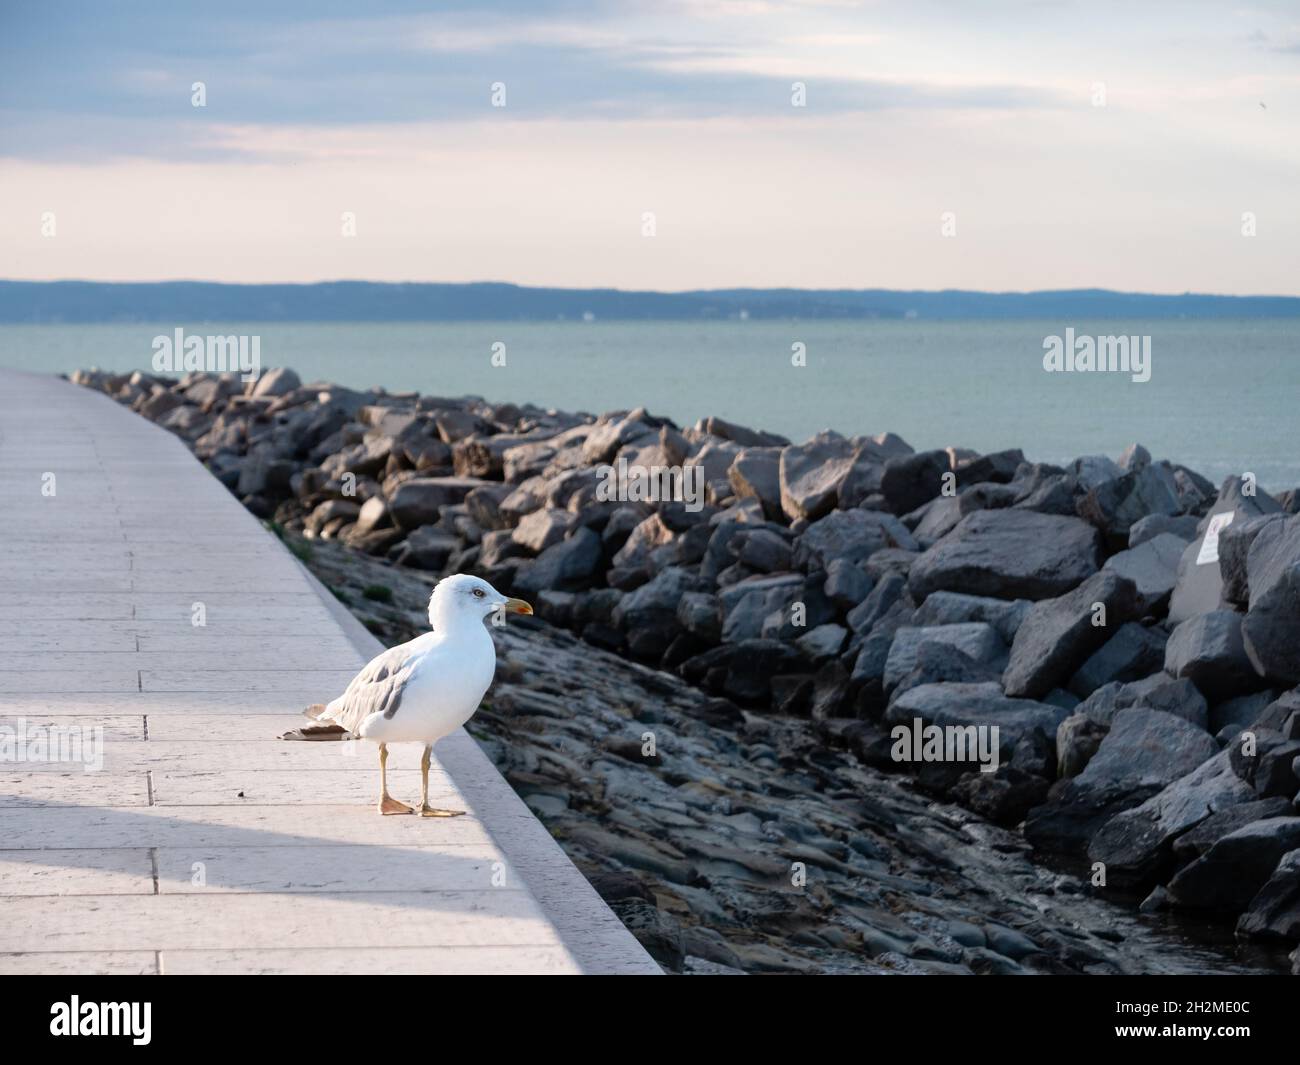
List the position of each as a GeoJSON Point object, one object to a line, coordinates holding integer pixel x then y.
{"type": "Point", "coordinates": [660, 292]}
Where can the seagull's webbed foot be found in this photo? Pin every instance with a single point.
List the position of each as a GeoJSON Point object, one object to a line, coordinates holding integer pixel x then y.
{"type": "Point", "coordinates": [425, 809]}
{"type": "Point", "coordinates": [387, 804]}
{"type": "Point", "coordinates": [429, 811]}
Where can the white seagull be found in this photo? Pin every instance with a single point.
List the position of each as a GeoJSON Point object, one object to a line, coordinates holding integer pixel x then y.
{"type": "Point", "coordinates": [421, 691]}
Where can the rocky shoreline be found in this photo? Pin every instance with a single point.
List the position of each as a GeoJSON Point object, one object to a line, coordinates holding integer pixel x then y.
{"type": "Point", "coordinates": [1113, 646]}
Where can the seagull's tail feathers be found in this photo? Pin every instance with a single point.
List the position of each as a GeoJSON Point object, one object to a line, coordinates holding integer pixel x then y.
{"type": "Point", "coordinates": [328, 731]}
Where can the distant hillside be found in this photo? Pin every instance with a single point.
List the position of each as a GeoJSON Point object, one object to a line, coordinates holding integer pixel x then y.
{"type": "Point", "coordinates": [367, 301]}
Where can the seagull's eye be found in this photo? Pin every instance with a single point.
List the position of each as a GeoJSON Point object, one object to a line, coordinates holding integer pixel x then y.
{"type": "Point", "coordinates": [479, 593]}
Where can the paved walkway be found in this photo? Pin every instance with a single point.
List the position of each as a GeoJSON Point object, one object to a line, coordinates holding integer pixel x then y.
{"type": "Point", "coordinates": [203, 843]}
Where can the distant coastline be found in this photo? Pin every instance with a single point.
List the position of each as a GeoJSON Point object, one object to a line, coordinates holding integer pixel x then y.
{"type": "Point", "coordinates": [71, 302]}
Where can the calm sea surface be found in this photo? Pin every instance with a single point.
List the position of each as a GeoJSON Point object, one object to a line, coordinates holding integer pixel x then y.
{"type": "Point", "coordinates": [1223, 396]}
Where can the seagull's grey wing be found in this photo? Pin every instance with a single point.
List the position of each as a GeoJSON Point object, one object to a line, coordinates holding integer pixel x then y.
{"type": "Point", "coordinates": [376, 689]}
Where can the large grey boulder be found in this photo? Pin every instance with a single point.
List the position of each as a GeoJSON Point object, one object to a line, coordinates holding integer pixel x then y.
{"type": "Point", "coordinates": [1134, 457]}
{"type": "Point", "coordinates": [1274, 913]}
{"type": "Point", "coordinates": [1148, 747]}
{"type": "Point", "coordinates": [615, 430]}
{"type": "Point", "coordinates": [852, 535]}
{"type": "Point", "coordinates": [1159, 691]}
{"type": "Point", "coordinates": [278, 382]}
{"type": "Point", "coordinates": [976, 639]}
{"type": "Point", "coordinates": [823, 642]}
{"type": "Point", "coordinates": [548, 455]}
{"type": "Point", "coordinates": [1136, 844]}
{"type": "Point", "coordinates": [542, 528]}
{"type": "Point", "coordinates": [1234, 556]}
{"type": "Point", "coordinates": [846, 583]}
{"type": "Point", "coordinates": [329, 511]}
{"type": "Point", "coordinates": [484, 504]}
{"type": "Point", "coordinates": [699, 614]}
{"type": "Point", "coordinates": [1152, 566]}
{"type": "Point", "coordinates": [645, 538]}
{"type": "Point", "coordinates": [652, 608]}
{"type": "Point", "coordinates": [417, 502]}
{"type": "Point", "coordinates": [746, 604]}
{"type": "Point", "coordinates": [941, 663]}
{"type": "Point", "coordinates": [1144, 752]}
{"type": "Point", "coordinates": [1200, 581]}
{"type": "Point", "coordinates": [976, 704]}
{"type": "Point", "coordinates": [811, 474]}
{"type": "Point", "coordinates": [1077, 740]}
{"type": "Point", "coordinates": [890, 560]}
{"type": "Point", "coordinates": [1233, 715]}
{"type": "Point", "coordinates": [1182, 526]}
{"type": "Point", "coordinates": [1271, 631]}
{"type": "Point", "coordinates": [372, 515]}
{"type": "Point", "coordinates": [1195, 493]}
{"type": "Point", "coordinates": [1134, 652]}
{"type": "Point", "coordinates": [1059, 634]}
{"type": "Point", "coordinates": [1274, 548]}
{"type": "Point", "coordinates": [867, 470]}
{"type": "Point", "coordinates": [1209, 651]}
{"type": "Point", "coordinates": [484, 456]}
{"type": "Point", "coordinates": [1115, 505]}
{"type": "Point", "coordinates": [997, 466]}
{"type": "Point", "coordinates": [743, 671]}
{"type": "Point", "coordinates": [952, 608]}
{"type": "Point", "coordinates": [456, 425]}
{"type": "Point", "coordinates": [264, 474]}
{"type": "Point", "coordinates": [1092, 471]}
{"type": "Point", "coordinates": [1272, 627]}
{"type": "Point", "coordinates": [883, 598]}
{"type": "Point", "coordinates": [715, 457]}
{"type": "Point", "coordinates": [740, 434]}
{"type": "Point", "coordinates": [1278, 772]}
{"type": "Point", "coordinates": [1191, 845]}
{"type": "Point", "coordinates": [935, 520]}
{"type": "Point", "coordinates": [755, 473]}
{"type": "Point", "coordinates": [911, 480]}
{"type": "Point", "coordinates": [1227, 876]}
{"type": "Point", "coordinates": [809, 609]}
{"type": "Point", "coordinates": [762, 549]}
{"type": "Point", "coordinates": [567, 566]}
{"type": "Point", "coordinates": [1046, 489]}
{"type": "Point", "coordinates": [428, 549]}
{"type": "Point", "coordinates": [210, 390]}
{"type": "Point", "coordinates": [1009, 554]}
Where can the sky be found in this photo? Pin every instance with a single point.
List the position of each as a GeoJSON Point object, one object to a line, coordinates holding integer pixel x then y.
{"type": "Point", "coordinates": [997, 146]}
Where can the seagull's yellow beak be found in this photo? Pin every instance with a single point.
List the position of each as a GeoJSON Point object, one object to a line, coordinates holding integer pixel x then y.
{"type": "Point", "coordinates": [517, 606]}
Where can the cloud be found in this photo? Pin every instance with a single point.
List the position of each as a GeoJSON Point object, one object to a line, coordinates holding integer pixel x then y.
{"type": "Point", "coordinates": [122, 85]}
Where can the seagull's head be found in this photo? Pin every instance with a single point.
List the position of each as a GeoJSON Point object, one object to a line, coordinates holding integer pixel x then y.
{"type": "Point", "coordinates": [466, 596]}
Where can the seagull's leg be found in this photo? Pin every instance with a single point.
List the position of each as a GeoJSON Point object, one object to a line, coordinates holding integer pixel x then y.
{"type": "Point", "coordinates": [425, 809]}
{"type": "Point", "coordinates": [387, 804]}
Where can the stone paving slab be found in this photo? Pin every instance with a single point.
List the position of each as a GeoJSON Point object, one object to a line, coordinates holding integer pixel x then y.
{"type": "Point", "coordinates": [205, 844]}
{"type": "Point", "coordinates": [267, 920]}
{"type": "Point", "coordinates": [80, 962]}
{"type": "Point", "coordinates": [72, 789]}
{"type": "Point", "coordinates": [404, 961]}
{"type": "Point", "coordinates": [301, 787]}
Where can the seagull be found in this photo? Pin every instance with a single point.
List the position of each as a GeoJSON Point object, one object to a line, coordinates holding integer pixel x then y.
{"type": "Point", "coordinates": [423, 690]}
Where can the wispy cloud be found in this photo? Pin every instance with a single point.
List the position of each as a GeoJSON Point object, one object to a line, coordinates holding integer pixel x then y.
{"type": "Point", "coordinates": [122, 85]}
